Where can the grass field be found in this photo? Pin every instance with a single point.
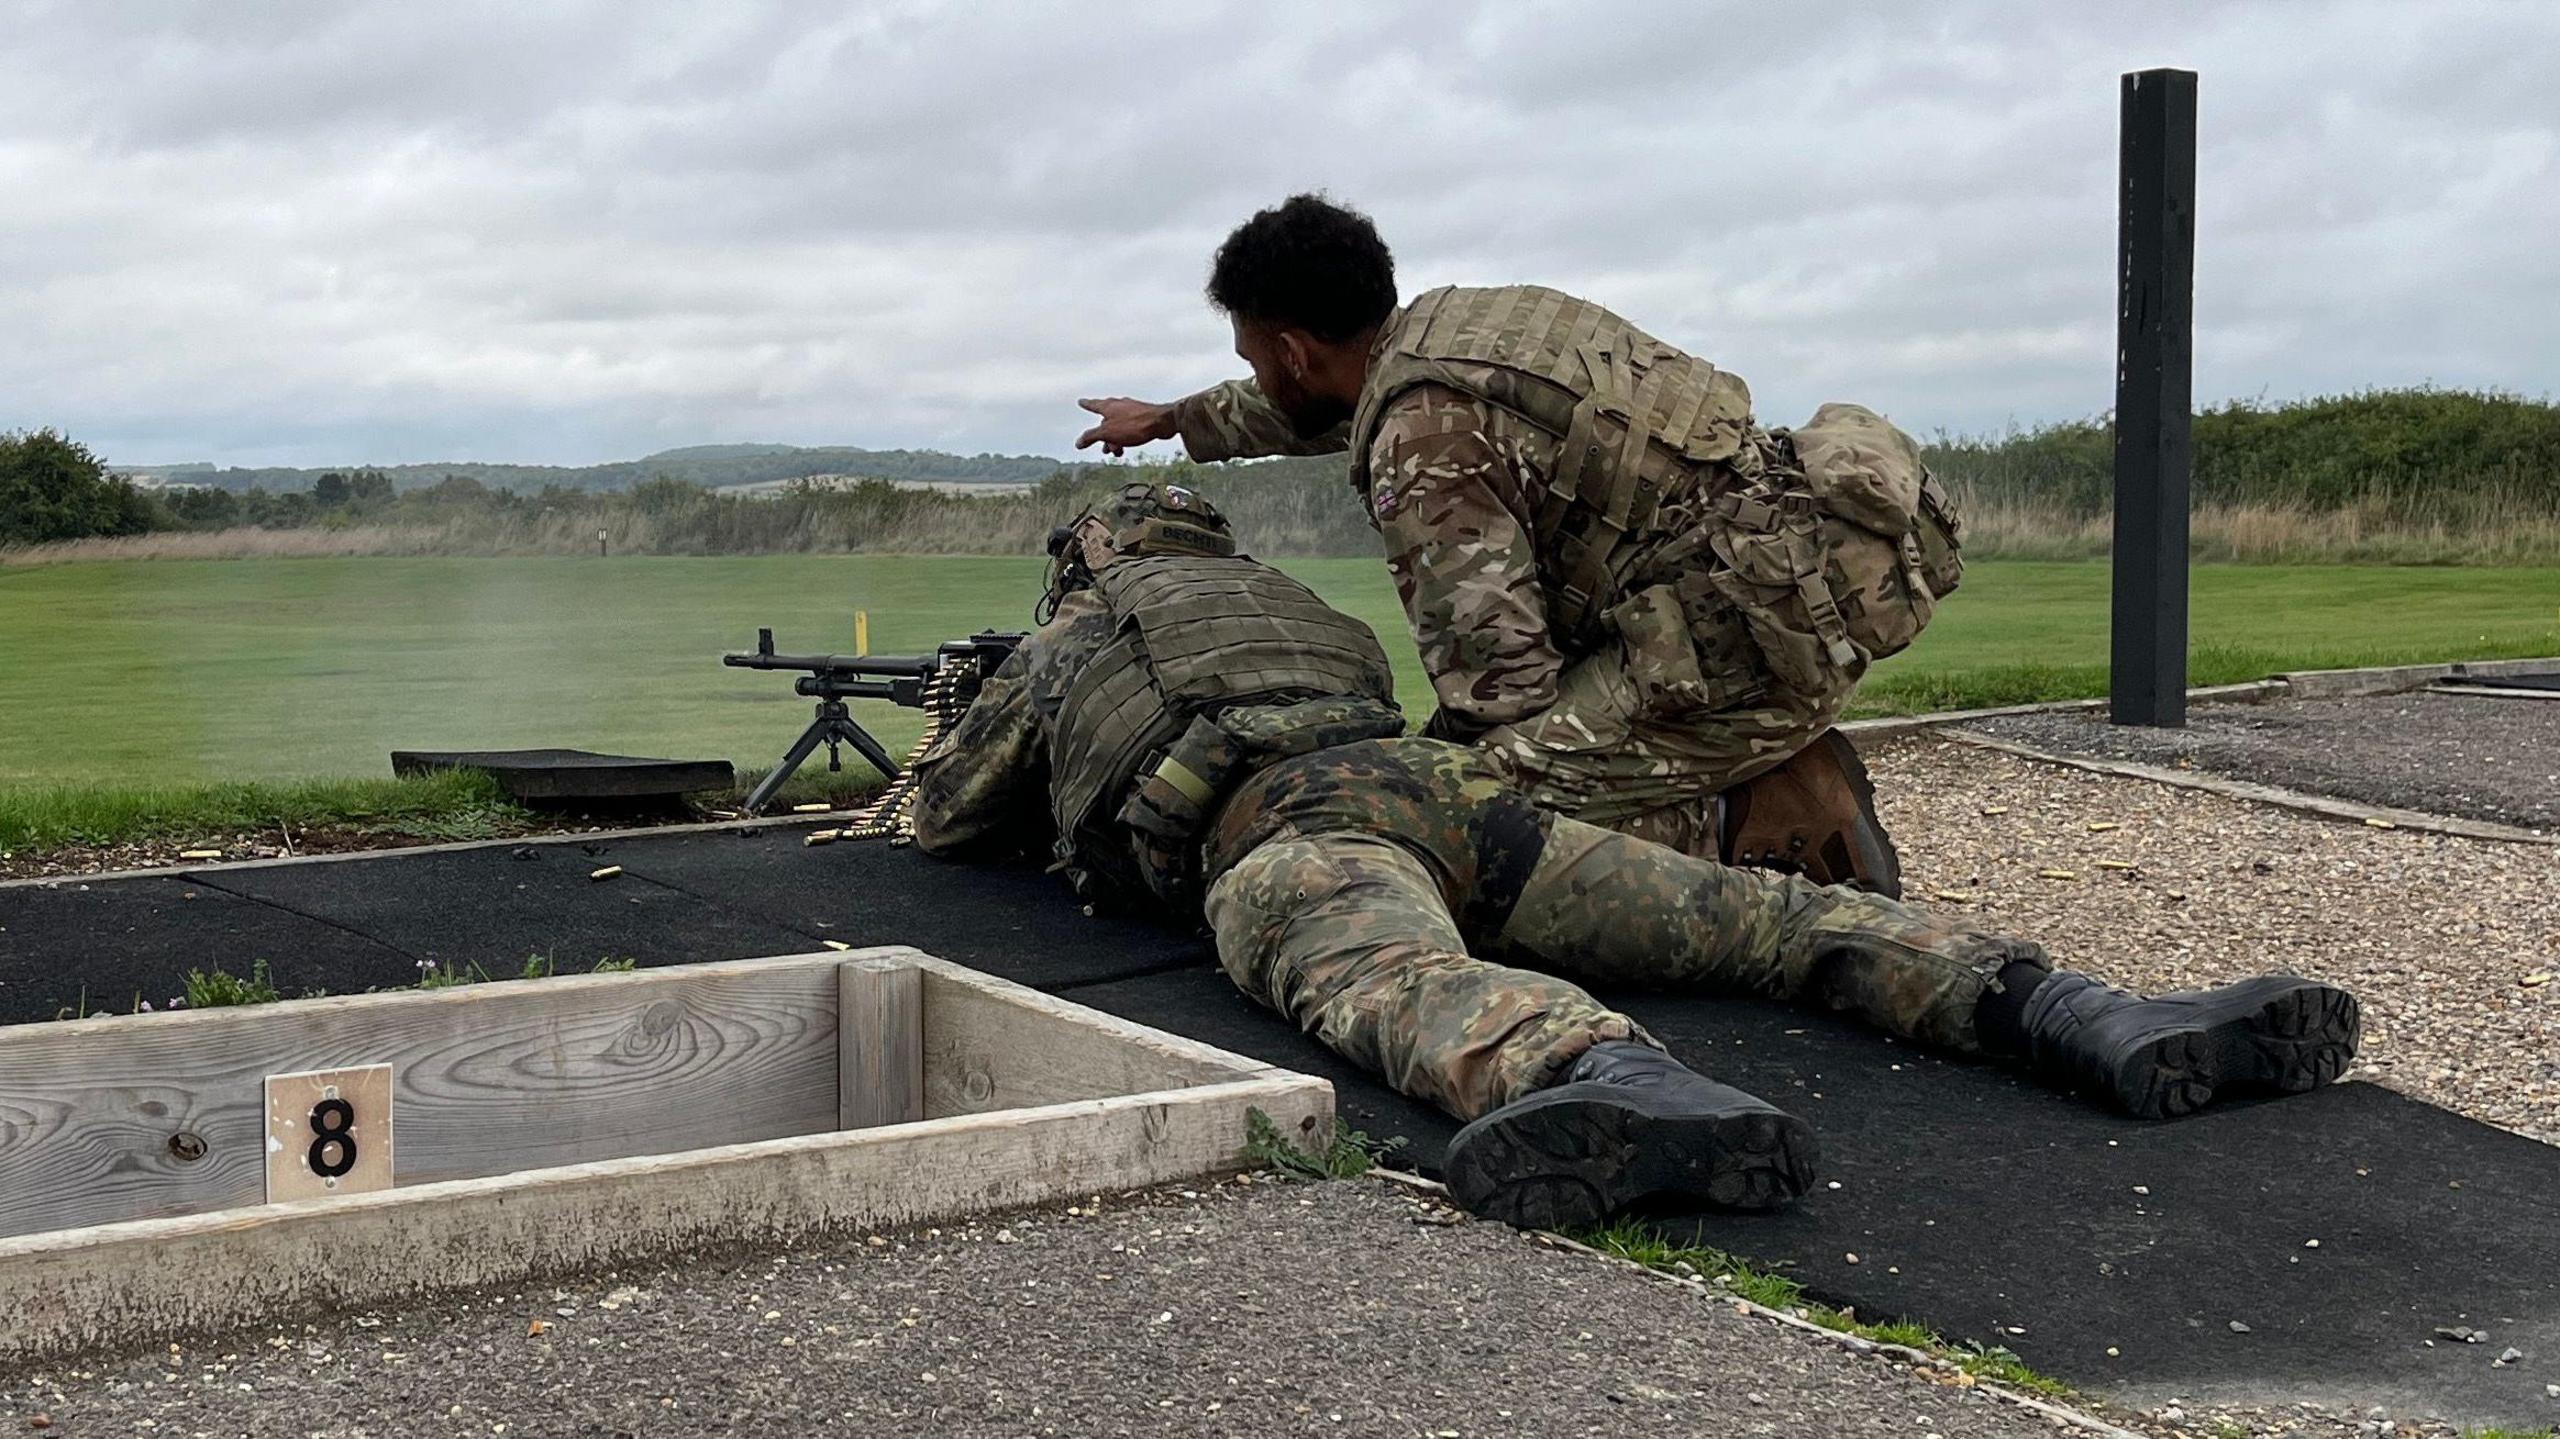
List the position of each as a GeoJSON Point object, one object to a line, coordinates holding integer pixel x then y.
{"type": "Point", "coordinates": [182, 672]}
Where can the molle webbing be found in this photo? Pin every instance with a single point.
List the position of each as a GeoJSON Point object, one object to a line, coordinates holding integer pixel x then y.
{"type": "Point", "coordinates": [1216, 631]}
{"type": "Point", "coordinates": [1635, 419]}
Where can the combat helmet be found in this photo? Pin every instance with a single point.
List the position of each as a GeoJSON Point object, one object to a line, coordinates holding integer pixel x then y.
{"type": "Point", "coordinates": [1145, 518]}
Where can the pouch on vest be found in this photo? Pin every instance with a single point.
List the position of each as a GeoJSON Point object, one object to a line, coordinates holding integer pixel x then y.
{"type": "Point", "coordinates": [1676, 666]}
{"type": "Point", "coordinates": [1887, 535]}
{"type": "Point", "coordinates": [1177, 797]}
{"type": "Point", "coordinates": [1775, 581]}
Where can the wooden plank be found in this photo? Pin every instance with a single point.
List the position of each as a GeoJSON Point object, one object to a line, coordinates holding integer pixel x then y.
{"type": "Point", "coordinates": [991, 1045]}
{"type": "Point", "coordinates": [139, 1115]}
{"type": "Point", "coordinates": [122, 1284]}
{"type": "Point", "coordinates": [882, 1074]}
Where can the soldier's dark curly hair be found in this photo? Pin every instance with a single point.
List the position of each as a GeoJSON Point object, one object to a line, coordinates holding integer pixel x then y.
{"type": "Point", "coordinates": [1306, 264]}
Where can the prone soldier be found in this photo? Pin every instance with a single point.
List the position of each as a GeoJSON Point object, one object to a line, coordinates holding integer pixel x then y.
{"type": "Point", "coordinates": [1191, 725]}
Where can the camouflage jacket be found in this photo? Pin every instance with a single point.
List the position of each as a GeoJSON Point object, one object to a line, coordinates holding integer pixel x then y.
{"type": "Point", "coordinates": [982, 792]}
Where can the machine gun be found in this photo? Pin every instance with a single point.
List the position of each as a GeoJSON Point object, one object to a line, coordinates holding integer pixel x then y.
{"type": "Point", "coordinates": [941, 684]}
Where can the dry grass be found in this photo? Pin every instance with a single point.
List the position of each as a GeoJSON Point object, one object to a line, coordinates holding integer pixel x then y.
{"type": "Point", "coordinates": [235, 544]}
{"type": "Point", "coordinates": [2370, 531]}
{"type": "Point", "coordinates": [1296, 517]}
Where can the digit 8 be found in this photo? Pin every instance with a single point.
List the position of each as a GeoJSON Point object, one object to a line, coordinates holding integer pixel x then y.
{"type": "Point", "coordinates": [333, 1123]}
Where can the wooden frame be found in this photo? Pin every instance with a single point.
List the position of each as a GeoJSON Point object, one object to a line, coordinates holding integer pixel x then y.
{"type": "Point", "coordinates": [551, 1125]}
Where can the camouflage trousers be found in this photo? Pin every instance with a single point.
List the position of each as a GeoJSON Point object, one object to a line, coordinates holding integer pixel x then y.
{"type": "Point", "coordinates": [1604, 755]}
{"type": "Point", "coordinates": [1350, 934]}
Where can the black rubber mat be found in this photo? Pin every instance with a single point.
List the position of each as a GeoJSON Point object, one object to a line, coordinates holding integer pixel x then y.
{"type": "Point", "coordinates": [2341, 1228]}
{"type": "Point", "coordinates": [79, 948]}
{"type": "Point", "coordinates": [1013, 921]}
{"type": "Point", "coordinates": [556, 774]}
{"type": "Point", "coordinates": [498, 907]}
{"type": "Point", "coordinates": [1991, 1209]}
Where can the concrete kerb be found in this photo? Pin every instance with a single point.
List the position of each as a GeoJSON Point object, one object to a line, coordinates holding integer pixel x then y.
{"type": "Point", "coordinates": [2400, 679]}
{"type": "Point", "coordinates": [1896, 726]}
{"type": "Point", "coordinates": [2292, 685]}
{"type": "Point", "coordinates": [2322, 806]}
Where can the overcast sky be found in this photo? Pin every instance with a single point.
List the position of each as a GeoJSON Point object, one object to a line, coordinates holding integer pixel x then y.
{"type": "Point", "coordinates": [333, 233]}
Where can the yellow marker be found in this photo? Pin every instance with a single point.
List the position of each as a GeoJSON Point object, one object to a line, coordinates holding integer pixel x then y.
{"type": "Point", "coordinates": [862, 632]}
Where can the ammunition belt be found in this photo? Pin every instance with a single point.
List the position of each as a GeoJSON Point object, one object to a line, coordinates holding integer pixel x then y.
{"type": "Point", "coordinates": [891, 815]}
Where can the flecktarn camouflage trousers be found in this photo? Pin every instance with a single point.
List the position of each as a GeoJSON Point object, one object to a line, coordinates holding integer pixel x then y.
{"type": "Point", "coordinates": [1351, 935]}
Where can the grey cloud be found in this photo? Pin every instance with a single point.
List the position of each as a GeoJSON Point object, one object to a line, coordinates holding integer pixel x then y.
{"type": "Point", "coordinates": [578, 231]}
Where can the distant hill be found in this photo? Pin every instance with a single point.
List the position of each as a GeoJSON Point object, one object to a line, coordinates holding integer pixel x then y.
{"type": "Point", "coordinates": [711, 466]}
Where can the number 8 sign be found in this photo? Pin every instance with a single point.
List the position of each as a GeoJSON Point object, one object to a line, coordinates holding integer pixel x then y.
{"type": "Point", "coordinates": [328, 1132]}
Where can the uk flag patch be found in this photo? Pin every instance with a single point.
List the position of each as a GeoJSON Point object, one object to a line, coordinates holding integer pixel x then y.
{"type": "Point", "coordinates": [1383, 500]}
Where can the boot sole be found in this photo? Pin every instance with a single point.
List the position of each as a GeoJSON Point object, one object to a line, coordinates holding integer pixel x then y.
{"type": "Point", "coordinates": [1873, 864]}
{"type": "Point", "coordinates": [2290, 1042]}
{"type": "Point", "coordinates": [1576, 1156]}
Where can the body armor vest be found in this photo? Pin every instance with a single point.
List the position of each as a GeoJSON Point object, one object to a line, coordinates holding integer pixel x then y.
{"type": "Point", "coordinates": [1213, 666]}
{"type": "Point", "coordinates": [1823, 550]}
{"type": "Point", "coordinates": [1637, 420]}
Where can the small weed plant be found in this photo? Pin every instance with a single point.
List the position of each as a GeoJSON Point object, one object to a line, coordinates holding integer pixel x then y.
{"type": "Point", "coordinates": [1646, 1245]}
{"type": "Point", "coordinates": [1346, 1154]}
{"type": "Point", "coordinates": [216, 988]}
{"type": "Point", "coordinates": [432, 975]}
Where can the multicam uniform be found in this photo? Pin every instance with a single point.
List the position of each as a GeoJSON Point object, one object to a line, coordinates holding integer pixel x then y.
{"type": "Point", "coordinates": [1626, 591]}
{"type": "Point", "coordinates": [1367, 889]}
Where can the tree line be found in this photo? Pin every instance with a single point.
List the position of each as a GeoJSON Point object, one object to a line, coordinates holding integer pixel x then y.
{"type": "Point", "coordinates": [2335, 477]}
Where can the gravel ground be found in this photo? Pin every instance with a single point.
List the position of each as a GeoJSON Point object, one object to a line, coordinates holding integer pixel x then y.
{"type": "Point", "coordinates": [1244, 1308]}
{"type": "Point", "coordinates": [2475, 757]}
{"type": "Point", "coordinates": [2453, 945]}
{"type": "Point", "coordinates": [1249, 1308]}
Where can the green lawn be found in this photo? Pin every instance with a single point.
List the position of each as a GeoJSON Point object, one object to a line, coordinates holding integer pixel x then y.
{"type": "Point", "coordinates": [270, 669]}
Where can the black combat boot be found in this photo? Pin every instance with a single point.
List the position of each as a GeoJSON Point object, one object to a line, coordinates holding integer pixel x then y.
{"type": "Point", "coordinates": [1626, 1122]}
{"type": "Point", "coordinates": [2171, 1056]}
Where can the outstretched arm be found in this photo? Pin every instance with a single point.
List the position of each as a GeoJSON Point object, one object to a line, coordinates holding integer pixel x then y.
{"type": "Point", "coordinates": [1234, 421]}
{"type": "Point", "coordinates": [1231, 421]}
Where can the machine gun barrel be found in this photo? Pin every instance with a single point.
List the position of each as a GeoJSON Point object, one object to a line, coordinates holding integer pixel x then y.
{"type": "Point", "coordinates": [763, 658]}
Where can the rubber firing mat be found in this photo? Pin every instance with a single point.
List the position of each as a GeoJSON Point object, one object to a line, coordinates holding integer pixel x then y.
{"type": "Point", "coordinates": [1989, 1209]}
{"type": "Point", "coordinates": [554, 774]}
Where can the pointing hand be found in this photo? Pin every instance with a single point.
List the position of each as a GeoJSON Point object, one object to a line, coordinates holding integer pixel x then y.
{"type": "Point", "coordinates": [1126, 423]}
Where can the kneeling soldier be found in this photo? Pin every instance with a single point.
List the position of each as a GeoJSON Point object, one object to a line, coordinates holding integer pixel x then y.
{"type": "Point", "coordinates": [1192, 728]}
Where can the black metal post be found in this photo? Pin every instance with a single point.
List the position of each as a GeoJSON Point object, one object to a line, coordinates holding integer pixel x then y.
{"type": "Point", "coordinates": [2155, 354]}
